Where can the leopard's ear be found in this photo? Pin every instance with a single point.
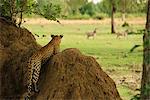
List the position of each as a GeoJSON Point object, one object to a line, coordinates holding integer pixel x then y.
{"type": "Point", "coordinates": [52, 36]}
{"type": "Point", "coordinates": [61, 36]}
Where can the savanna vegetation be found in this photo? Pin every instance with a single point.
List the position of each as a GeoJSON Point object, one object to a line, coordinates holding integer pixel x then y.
{"type": "Point", "coordinates": [113, 54]}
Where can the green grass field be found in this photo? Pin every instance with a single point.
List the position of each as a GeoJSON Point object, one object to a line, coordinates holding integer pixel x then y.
{"type": "Point", "coordinates": [111, 53]}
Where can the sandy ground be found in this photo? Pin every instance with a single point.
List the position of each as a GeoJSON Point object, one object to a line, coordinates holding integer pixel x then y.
{"type": "Point", "coordinates": [42, 21]}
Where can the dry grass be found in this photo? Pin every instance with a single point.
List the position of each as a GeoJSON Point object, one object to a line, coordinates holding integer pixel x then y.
{"type": "Point", "coordinates": [42, 21]}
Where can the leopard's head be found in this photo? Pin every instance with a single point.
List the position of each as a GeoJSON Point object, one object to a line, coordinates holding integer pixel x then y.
{"type": "Point", "coordinates": [57, 38]}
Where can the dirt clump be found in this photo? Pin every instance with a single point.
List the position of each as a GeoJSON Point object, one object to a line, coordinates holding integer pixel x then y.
{"type": "Point", "coordinates": [71, 75]}
{"type": "Point", "coordinates": [68, 75]}
{"type": "Point", "coordinates": [16, 46]}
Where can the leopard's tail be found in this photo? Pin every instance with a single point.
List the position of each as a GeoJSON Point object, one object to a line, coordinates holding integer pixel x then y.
{"type": "Point", "coordinates": [28, 95]}
{"type": "Point", "coordinates": [29, 81]}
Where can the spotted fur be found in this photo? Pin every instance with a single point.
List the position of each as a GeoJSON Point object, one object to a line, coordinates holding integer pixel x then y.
{"type": "Point", "coordinates": [37, 59]}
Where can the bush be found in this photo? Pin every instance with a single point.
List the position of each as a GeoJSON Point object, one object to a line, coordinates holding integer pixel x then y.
{"type": "Point", "coordinates": [100, 16]}
{"type": "Point", "coordinates": [88, 9]}
{"type": "Point", "coordinates": [141, 31]}
{"type": "Point", "coordinates": [125, 24]}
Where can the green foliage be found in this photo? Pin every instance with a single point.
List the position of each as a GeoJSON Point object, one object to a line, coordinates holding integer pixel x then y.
{"type": "Point", "coordinates": [104, 7]}
{"type": "Point", "coordinates": [146, 89]}
{"type": "Point", "coordinates": [74, 5]}
{"type": "Point", "coordinates": [139, 31]}
{"type": "Point", "coordinates": [13, 9]}
{"type": "Point", "coordinates": [30, 8]}
{"type": "Point", "coordinates": [88, 9]}
{"type": "Point", "coordinates": [79, 9]}
{"type": "Point", "coordinates": [6, 9]}
{"type": "Point", "coordinates": [48, 11]}
{"type": "Point", "coordinates": [131, 6]}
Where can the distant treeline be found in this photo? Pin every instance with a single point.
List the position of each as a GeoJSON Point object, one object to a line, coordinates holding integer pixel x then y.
{"type": "Point", "coordinates": [69, 9]}
{"type": "Point", "coordinates": [82, 9]}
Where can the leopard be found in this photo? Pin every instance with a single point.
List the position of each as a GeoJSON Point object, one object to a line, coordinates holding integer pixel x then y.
{"type": "Point", "coordinates": [37, 60]}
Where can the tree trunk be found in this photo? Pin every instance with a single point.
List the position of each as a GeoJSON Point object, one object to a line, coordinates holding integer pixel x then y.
{"type": "Point", "coordinates": [124, 11]}
{"type": "Point", "coordinates": [112, 17]}
{"type": "Point", "coordinates": [123, 17]}
{"type": "Point", "coordinates": [145, 84]}
{"type": "Point", "coordinates": [13, 11]}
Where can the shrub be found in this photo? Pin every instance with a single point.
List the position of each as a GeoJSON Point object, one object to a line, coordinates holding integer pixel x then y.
{"type": "Point", "coordinates": [100, 16]}
{"type": "Point", "coordinates": [125, 24]}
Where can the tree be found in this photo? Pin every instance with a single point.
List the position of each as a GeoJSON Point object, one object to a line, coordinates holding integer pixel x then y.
{"type": "Point", "coordinates": [48, 11]}
{"type": "Point", "coordinates": [74, 5]}
{"type": "Point", "coordinates": [14, 9]}
{"type": "Point", "coordinates": [145, 84]}
{"type": "Point", "coordinates": [127, 6]}
{"type": "Point", "coordinates": [105, 7]}
{"type": "Point", "coordinates": [113, 9]}
{"type": "Point", "coordinates": [123, 10]}
{"type": "Point", "coordinates": [88, 8]}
